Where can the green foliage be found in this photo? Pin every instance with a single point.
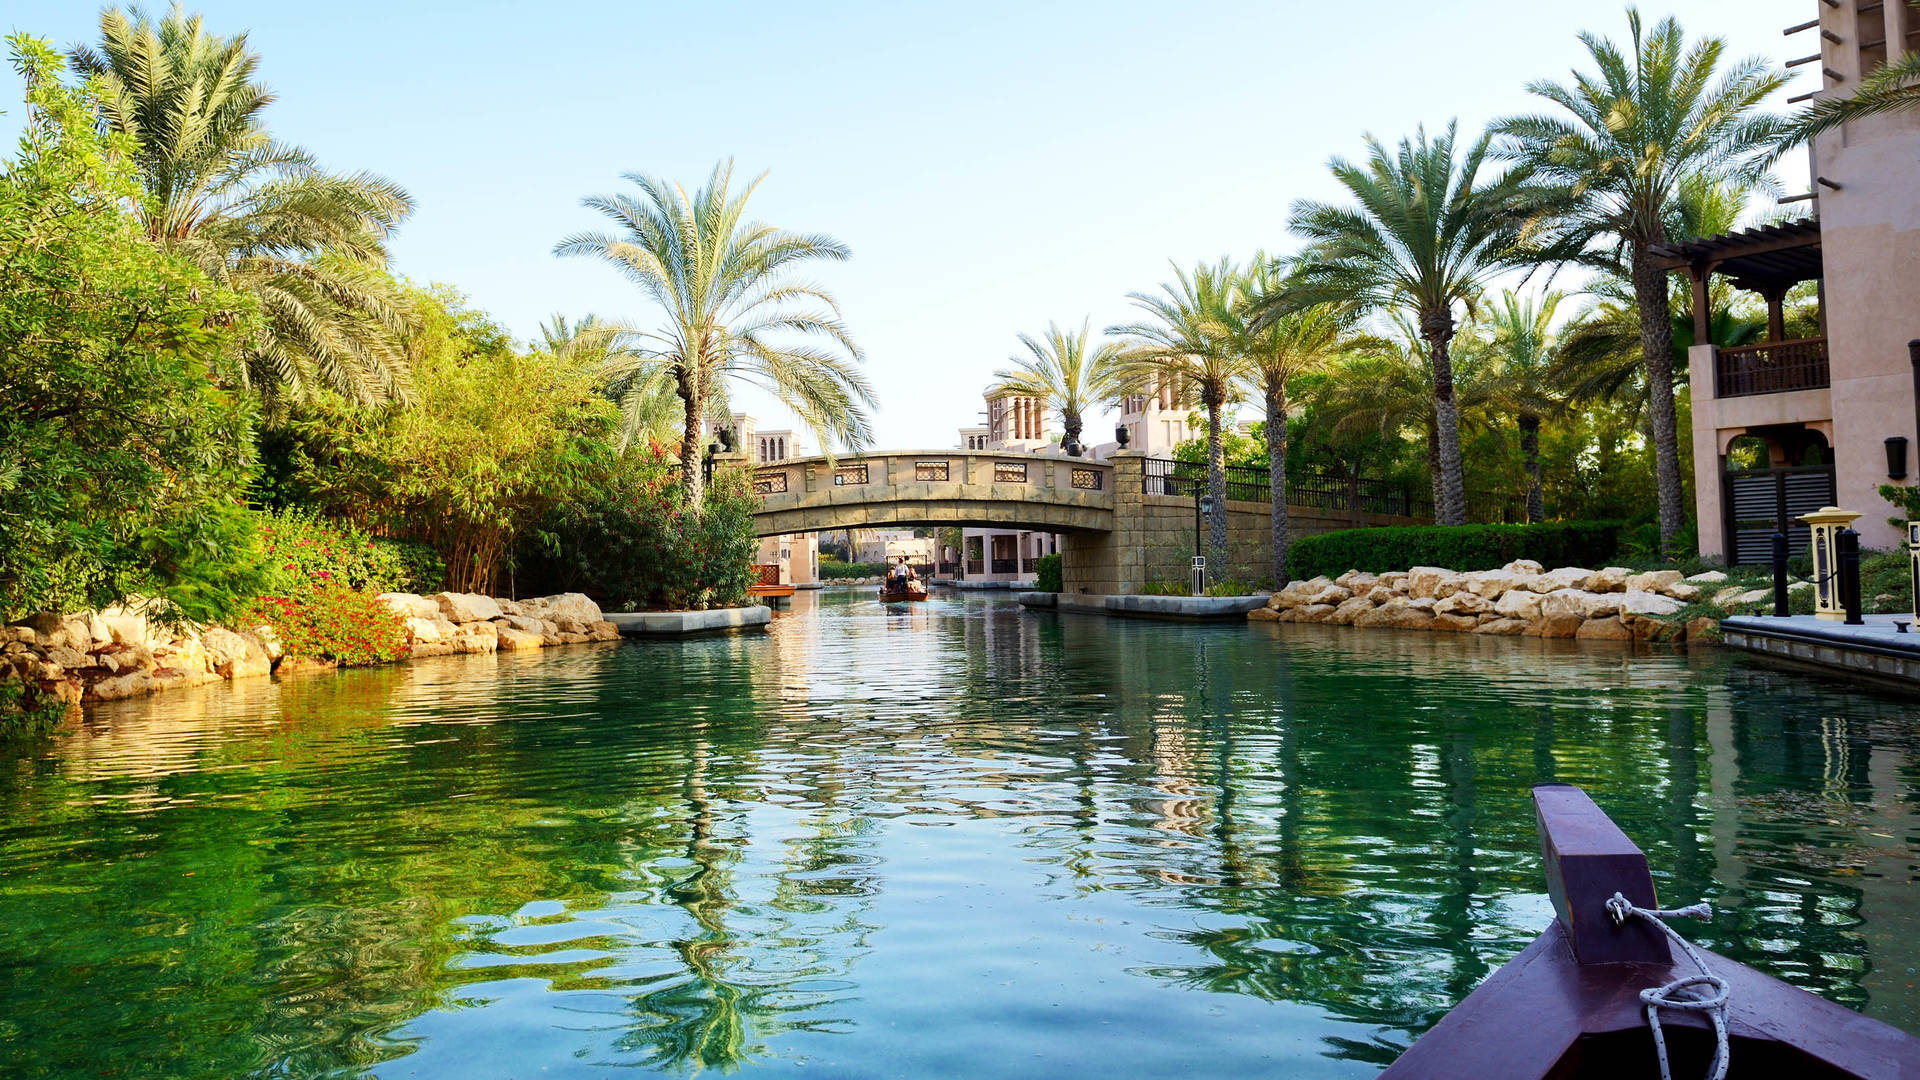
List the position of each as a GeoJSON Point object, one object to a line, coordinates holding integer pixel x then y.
{"type": "Point", "coordinates": [845, 571]}
{"type": "Point", "coordinates": [1907, 498]}
{"type": "Point", "coordinates": [334, 622]}
{"type": "Point", "coordinates": [256, 215]}
{"type": "Point", "coordinates": [121, 446]}
{"type": "Point", "coordinates": [26, 713]}
{"type": "Point", "coordinates": [1046, 574]}
{"type": "Point", "coordinates": [1456, 547]}
{"type": "Point", "coordinates": [496, 442]}
{"type": "Point", "coordinates": [632, 546]}
{"type": "Point", "coordinates": [304, 551]}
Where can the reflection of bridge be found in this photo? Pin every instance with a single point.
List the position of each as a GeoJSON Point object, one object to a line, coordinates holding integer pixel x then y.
{"type": "Point", "coordinates": [1121, 524]}
{"type": "Point", "coordinates": [935, 487]}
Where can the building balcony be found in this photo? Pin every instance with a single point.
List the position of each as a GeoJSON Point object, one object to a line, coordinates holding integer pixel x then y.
{"type": "Point", "coordinates": [1774, 367]}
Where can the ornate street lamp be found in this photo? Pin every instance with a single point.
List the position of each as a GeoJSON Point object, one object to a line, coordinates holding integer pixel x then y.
{"type": "Point", "coordinates": [1827, 524]}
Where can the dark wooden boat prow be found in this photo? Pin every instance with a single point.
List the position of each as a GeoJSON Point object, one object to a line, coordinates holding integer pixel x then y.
{"type": "Point", "coordinates": [1569, 1005]}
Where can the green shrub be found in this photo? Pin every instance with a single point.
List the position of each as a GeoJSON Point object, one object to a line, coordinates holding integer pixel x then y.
{"type": "Point", "coordinates": [842, 571]}
{"type": "Point", "coordinates": [305, 550]}
{"type": "Point", "coordinates": [1456, 547]}
{"type": "Point", "coordinates": [1046, 577]}
{"type": "Point", "coordinates": [632, 546]}
{"type": "Point", "coordinates": [334, 622]}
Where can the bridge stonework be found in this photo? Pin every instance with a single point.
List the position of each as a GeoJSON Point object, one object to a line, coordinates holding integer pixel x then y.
{"type": "Point", "coordinates": [1115, 536]}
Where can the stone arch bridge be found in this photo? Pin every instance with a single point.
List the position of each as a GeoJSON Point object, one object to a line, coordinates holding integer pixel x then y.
{"type": "Point", "coordinates": [1121, 523]}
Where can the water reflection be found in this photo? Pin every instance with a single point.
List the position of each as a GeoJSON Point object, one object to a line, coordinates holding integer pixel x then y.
{"type": "Point", "coordinates": [948, 838]}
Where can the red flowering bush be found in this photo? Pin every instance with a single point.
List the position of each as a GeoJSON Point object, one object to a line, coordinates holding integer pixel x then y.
{"type": "Point", "coordinates": [334, 622]}
{"type": "Point", "coordinates": [305, 550]}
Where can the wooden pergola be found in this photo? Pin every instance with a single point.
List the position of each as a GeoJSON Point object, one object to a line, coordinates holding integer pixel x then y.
{"type": "Point", "coordinates": [1768, 259]}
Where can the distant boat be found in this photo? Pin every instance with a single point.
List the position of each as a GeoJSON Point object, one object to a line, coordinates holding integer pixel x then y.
{"type": "Point", "coordinates": [903, 592]}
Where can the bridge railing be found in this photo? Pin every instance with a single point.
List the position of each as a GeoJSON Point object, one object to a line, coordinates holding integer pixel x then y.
{"type": "Point", "coordinates": [944, 469]}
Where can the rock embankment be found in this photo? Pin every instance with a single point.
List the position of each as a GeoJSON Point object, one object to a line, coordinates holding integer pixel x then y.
{"type": "Point", "coordinates": [119, 653]}
{"type": "Point", "coordinates": [1520, 598]}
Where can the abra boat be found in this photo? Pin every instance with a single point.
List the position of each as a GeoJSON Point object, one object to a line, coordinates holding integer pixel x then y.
{"type": "Point", "coordinates": [901, 590]}
{"type": "Point", "coordinates": [1610, 991]}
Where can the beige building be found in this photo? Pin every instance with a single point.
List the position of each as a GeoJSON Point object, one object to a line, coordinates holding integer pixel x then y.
{"type": "Point", "coordinates": [794, 558]}
{"type": "Point", "coordinates": [1008, 558]}
{"type": "Point", "coordinates": [1827, 418]}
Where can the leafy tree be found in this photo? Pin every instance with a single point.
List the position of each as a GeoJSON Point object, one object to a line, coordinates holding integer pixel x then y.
{"type": "Point", "coordinates": [496, 440]}
{"type": "Point", "coordinates": [1893, 87]}
{"type": "Point", "coordinates": [1621, 147]}
{"type": "Point", "coordinates": [120, 452]}
{"type": "Point", "coordinates": [1062, 371]}
{"type": "Point", "coordinates": [1424, 234]}
{"type": "Point", "coordinates": [1183, 341]}
{"type": "Point", "coordinates": [256, 215]}
{"type": "Point", "coordinates": [723, 287]}
{"type": "Point", "coordinates": [649, 411]}
{"type": "Point", "coordinates": [1291, 342]}
{"type": "Point", "coordinates": [1516, 334]}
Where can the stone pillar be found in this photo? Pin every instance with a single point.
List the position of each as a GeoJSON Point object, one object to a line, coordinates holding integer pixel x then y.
{"type": "Point", "coordinates": [1899, 20]}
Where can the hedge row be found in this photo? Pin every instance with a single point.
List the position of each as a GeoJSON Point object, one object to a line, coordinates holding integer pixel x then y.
{"type": "Point", "coordinates": [1456, 547]}
{"type": "Point", "coordinates": [1046, 575]}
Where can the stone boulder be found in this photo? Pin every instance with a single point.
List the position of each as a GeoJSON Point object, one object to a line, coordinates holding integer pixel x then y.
{"type": "Point", "coordinates": [1518, 604]}
{"type": "Point", "coordinates": [1608, 629]}
{"type": "Point", "coordinates": [1653, 581]}
{"type": "Point", "coordinates": [574, 604]}
{"type": "Point", "coordinates": [1563, 624]}
{"type": "Point", "coordinates": [424, 630]}
{"type": "Point", "coordinates": [1502, 627]}
{"type": "Point", "coordinates": [523, 623]}
{"type": "Point", "coordinates": [1380, 594]}
{"type": "Point", "coordinates": [1703, 630]}
{"type": "Point", "coordinates": [1312, 613]}
{"type": "Point", "coordinates": [511, 639]}
{"type": "Point", "coordinates": [1433, 581]}
{"type": "Point", "coordinates": [1608, 579]}
{"type": "Point", "coordinates": [479, 629]}
{"type": "Point", "coordinates": [408, 606]}
{"type": "Point", "coordinates": [1491, 584]}
{"type": "Point", "coordinates": [606, 631]}
{"type": "Point", "coordinates": [1567, 601]}
{"type": "Point", "coordinates": [476, 643]}
{"type": "Point", "coordinates": [1402, 615]}
{"type": "Point", "coordinates": [1331, 594]}
{"type": "Point", "coordinates": [1459, 624]}
{"type": "Point", "coordinates": [233, 656]}
{"type": "Point", "coordinates": [1636, 602]}
{"type": "Point", "coordinates": [1395, 580]}
{"type": "Point", "coordinates": [1683, 591]}
{"type": "Point", "coordinates": [1707, 577]}
{"type": "Point", "coordinates": [1526, 567]}
{"type": "Point", "coordinates": [508, 607]}
{"type": "Point", "coordinates": [1462, 603]}
{"type": "Point", "coordinates": [1349, 610]}
{"type": "Point", "coordinates": [1567, 577]}
{"type": "Point", "coordinates": [124, 624]}
{"type": "Point", "coordinates": [466, 607]}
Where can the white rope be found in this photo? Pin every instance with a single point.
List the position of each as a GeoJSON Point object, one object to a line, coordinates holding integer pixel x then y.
{"type": "Point", "coordinates": [1705, 992]}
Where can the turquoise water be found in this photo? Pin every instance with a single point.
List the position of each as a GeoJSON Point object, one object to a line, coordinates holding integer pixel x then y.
{"type": "Point", "coordinates": [957, 840]}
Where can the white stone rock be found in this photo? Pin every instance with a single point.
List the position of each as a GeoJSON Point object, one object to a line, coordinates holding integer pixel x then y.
{"type": "Point", "coordinates": [1491, 584]}
{"type": "Point", "coordinates": [1681, 590]}
{"type": "Point", "coordinates": [1524, 567]}
{"type": "Point", "coordinates": [1642, 602]}
{"type": "Point", "coordinates": [1708, 577]}
{"type": "Point", "coordinates": [419, 629]}
{"type": "Point", "coordinates": [1462, 603]}
{"type": "Point", "coordinates": [1566, 577]}
{"type": "Point", "coordinates": [1567, 601]}
{"type": "Point", "coordinates": [1607, 579]}
{"type": "Point", "coordinates": [1332, 594]}
{"type": "Point", "coordinates": [1653, 581]}
{"type": "Point", "coordinates": [1597, 605]}
{"type": "Point", "coordinates": [1434, 581]}
{"type": "Point", "coordinates": [407, 605]}
{"type": "Point", "coordinates": [546, 607]}
{"type": "Point", "coordinates": [467, 607]}
{"type": "Point", "coordinates": [1518, 604]}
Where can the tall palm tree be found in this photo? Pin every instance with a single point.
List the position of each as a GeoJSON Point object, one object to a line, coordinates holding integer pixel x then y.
{"type": "Point", "coordinates": [1182, 341]}
{"type": "Point", "coordinates": [1893, 87]}
{"type": "Point", "coordinates": [1290, 342]}
{"type": "Point", "coordinates": [730, 309]}
{"type": "Point", "coordinates": [1621, 146]}
{"type": "Point", "coordinates": [1425, 235]}
{"type": "Point", "coordinates": [1064, 372]}
{"type": "Point", "coordinates": [253, 213]}
{"type": "Point", "coordinates": [648, 407]}
{"type": "Point", "coordinates": [1516, 334]}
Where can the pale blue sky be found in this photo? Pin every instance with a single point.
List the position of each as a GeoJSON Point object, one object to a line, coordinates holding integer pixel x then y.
{"type": "Point", "coordinates": [992, 165]}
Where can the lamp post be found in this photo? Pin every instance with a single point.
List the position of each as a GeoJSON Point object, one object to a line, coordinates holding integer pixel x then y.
{"type": "Point", "coordinates": [1913, 565]}
{"type": "Point", "coordinates": [1202, 506]}
{"type": "Point", "coordinates": [1827, 523]}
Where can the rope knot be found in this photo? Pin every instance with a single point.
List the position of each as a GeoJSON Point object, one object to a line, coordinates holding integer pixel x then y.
{"type": "Point", "coordinates": [1702, 993]}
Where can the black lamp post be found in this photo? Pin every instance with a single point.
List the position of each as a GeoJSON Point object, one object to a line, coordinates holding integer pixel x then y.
{"type": "Point", "coordinates": [1202, 506]}
{"type": "Point", "coordinates": [706, 463]}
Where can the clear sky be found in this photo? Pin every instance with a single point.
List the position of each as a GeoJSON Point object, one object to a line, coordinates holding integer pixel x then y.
{"type": "Point", "coordinates": [992, 165]}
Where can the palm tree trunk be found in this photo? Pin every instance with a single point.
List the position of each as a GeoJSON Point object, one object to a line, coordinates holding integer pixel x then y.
{"type": "Point", "coordinates": [1070, 426]}
{"type": "Point", "coordinates": [1530, 450]}
{"type": "Point", "coordinates": [1216, 489]}
{"type": "Point", "coordinates": [1451, 508]}
{"type": "Point", "coordinates": [1433, 467]}
{"type": "Point", "coordinates": [693, 482]}
{"type": "Point", "coordinates": [1656, 347]}
{"type": "Point", "coordinates": [1277, 474]}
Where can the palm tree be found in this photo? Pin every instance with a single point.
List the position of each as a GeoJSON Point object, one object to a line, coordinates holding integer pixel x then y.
{"type": "Point", "coordinates": [1064, 373]}
{"type": "Point", "coordinates": [1425, 236]}
{"type": "Point", "coordinates": [1516, 334]}
{"type": "Point", "coordinates": [1893, 87]}
{"type": "Point", "coordinates": [1622, 146]}
{"type": "Point", "coordinates": [648, 407]}
{"type": "Point", "coordinates": [255, 214]}
{"type": "Point", "coordinates": [722, 285]}
{"type": "Point", "coordinates": [1293, 341]}
{"type": "Point", "coordinates": [1183, 342]}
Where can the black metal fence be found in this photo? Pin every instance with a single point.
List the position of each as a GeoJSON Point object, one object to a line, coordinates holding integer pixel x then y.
{"type": "Point", "coordinates": [1356, 495]}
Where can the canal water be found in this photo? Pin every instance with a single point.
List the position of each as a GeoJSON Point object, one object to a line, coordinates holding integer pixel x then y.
{"type": "Point", "coordinates": [955, 840]}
